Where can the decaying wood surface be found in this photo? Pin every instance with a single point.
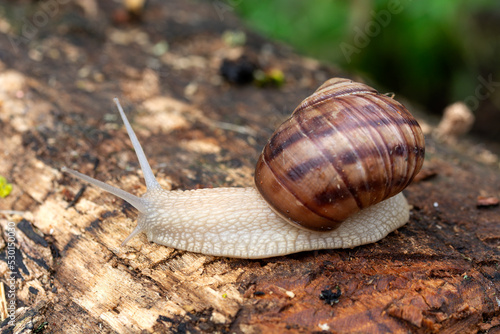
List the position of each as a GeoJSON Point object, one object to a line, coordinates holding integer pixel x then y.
{"type": "Point", "coordinates": [439, 273]}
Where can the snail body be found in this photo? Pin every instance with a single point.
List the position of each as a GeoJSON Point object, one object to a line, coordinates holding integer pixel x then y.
{"type": "Point", "coordinates": [240, 222]}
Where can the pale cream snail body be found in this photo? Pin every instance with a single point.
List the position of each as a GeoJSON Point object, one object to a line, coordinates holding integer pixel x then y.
{"type": "Point", "coordinates": [331, 176]}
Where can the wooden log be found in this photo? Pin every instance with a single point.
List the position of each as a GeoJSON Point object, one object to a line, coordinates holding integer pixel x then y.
{"type": "Point", "coordinates": [439, 273]}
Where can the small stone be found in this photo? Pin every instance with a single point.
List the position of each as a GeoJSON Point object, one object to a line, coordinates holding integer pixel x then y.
{"type": "Point", "coordinates": [457, 120]}
{"type": "Point", "coordinates": [484, 202]}
{"type": "Point", "coordinates": [331, 297]}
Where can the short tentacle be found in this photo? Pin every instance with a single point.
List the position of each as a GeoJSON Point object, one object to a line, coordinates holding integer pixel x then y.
{"type": "Point", "coordinates": [137, 230]}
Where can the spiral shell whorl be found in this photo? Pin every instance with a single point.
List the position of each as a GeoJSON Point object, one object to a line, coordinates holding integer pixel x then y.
{"type": "Point", "coordinates": [344, 148]}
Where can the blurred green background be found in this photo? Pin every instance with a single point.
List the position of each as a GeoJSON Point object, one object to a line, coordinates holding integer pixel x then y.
{"type": "Point", "coordinates": [434, 52]}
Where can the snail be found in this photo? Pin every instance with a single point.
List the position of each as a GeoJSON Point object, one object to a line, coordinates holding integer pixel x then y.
{"type": "Point", "coordinates": [331, 176]}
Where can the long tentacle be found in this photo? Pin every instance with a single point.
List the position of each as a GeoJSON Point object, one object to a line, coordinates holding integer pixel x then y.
{"type": "Point", "coordinates": [149, 177]}
{"type": "Point", "coordinates": [137, 202]}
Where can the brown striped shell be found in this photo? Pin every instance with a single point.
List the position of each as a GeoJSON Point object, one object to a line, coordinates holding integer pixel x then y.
{"type": "Point", "coordinates": [344, 148]}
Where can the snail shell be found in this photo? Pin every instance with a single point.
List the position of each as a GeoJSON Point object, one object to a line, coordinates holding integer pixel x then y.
{"type": "Point", "coordinates": [344, 148]}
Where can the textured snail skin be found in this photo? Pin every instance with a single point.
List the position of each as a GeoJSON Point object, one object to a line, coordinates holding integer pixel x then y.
{"type": "Point", "coordinates": [238, 222]}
